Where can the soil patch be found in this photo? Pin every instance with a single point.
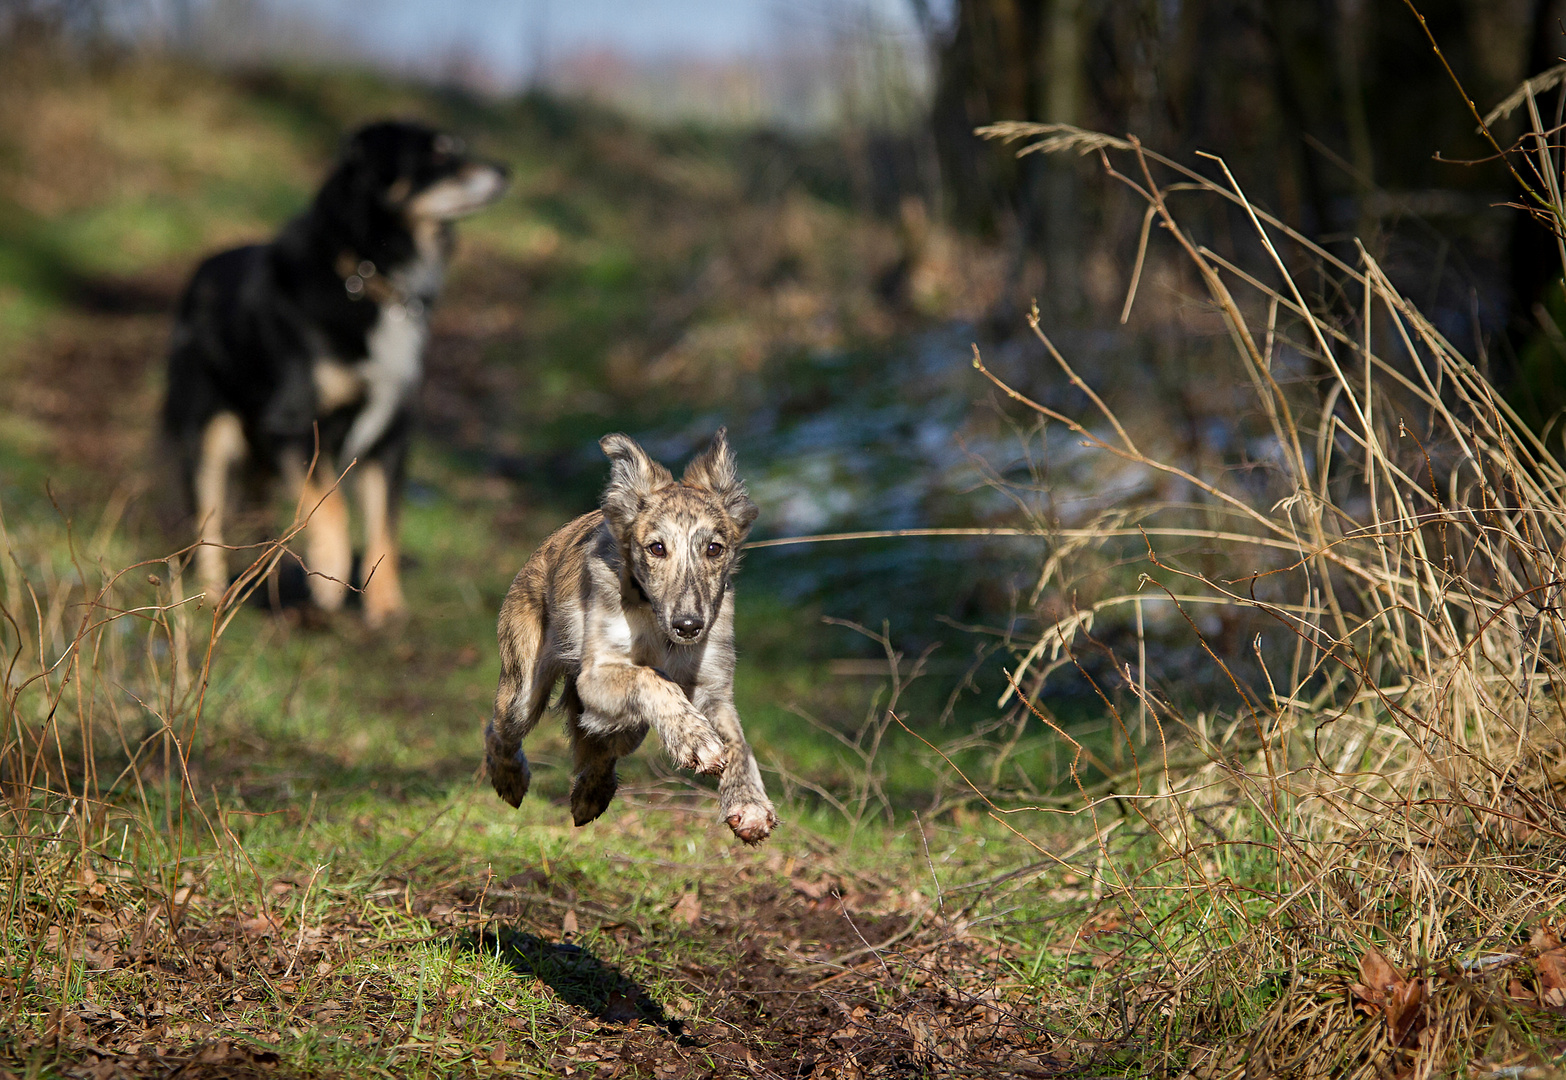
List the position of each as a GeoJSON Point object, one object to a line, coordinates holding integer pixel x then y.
{"type": "Point", "coordinates": [825, 977]}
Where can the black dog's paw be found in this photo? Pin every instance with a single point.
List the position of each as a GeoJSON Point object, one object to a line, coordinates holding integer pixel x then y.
{"type": "Point", "coordinates": [591, 793]}
{"type": "Point", "coordinates": [510, 777]}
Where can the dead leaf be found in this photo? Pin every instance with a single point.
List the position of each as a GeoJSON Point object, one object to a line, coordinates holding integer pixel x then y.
{"type": "Point", "coordinates": [1104, 922]}
{"type": "Point", "coordinates": [262, 925]}
{"type": "Point", "coordinates": [688, 909]}
{"type": "Point", "coordinates": [1382, 988]}
{"type": "Point", "coordinates": [90, 879]}
{"type": "Point", "coordinates": [815, 890]}
{"type": "Point", "coordinates": [1378, 976]}
{"type": "Point", "coordinates": [568, 925]}
{"type": "Point", "coordinates": [1403, 1007]}
{"type": "Point", "coordinates": [1551, 966]}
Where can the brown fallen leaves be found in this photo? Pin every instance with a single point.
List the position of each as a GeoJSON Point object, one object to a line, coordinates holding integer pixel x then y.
{"type": "Point", "coordinates": [264, 925]}
{"type": "Point", "coordinates": [1382, 988]}
{"type": "Point", "coordinates": [1550, 963]}
{"type": "Point", "coordinates": [688, 909]}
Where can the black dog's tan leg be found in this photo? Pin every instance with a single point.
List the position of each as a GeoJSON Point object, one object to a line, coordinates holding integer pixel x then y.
{"type": "Point", "coordinates": [640, 696]}
{"type": "Point", "coordinates": [222, 447]}
{"type": "Point", "coordinates": [328, 545]}
{"type": "Point", "coordinates": [742, 800]}
{"type": "Point", "coordinates": [382, 585]}
{"type": "Point", "coordinates": [520, 699]}
{"type": "Point", "coordinates": [593, 779]}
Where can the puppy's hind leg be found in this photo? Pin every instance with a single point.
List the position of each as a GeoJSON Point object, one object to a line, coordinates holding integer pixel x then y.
{"type": "Point", "coordinates": [526, 678]}
{"type": "Point", "coordinates": [595, 751]}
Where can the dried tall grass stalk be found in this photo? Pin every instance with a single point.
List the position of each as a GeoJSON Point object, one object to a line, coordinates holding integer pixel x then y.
{"type": "Point", "coordinates": [1397, 771]}
{"type": "Point", "coordinates": [103, 682]}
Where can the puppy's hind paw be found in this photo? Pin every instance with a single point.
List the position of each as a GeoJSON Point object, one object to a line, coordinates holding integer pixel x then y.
{"type": "Point", "coordinates": [511, 777]}
{"type": "Point", "coordinates": [591, 793]}
{"type": "Point", "coordinates": [752, 822]}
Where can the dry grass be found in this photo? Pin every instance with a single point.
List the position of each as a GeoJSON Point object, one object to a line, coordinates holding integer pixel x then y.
{"type": "Point", "coordinates": [106, 669]}
{"type": "Point", "coordinates": [1393, 779]}
{"type": "Point", "coordinates": [1391, 783]}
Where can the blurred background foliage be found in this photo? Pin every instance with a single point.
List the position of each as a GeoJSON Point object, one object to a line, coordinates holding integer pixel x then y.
{"type": "Point", "coordinates": [780, 217]}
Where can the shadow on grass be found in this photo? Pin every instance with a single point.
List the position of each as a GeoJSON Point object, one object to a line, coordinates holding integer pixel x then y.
{"type": "Point", "coordinates": [579, 978]}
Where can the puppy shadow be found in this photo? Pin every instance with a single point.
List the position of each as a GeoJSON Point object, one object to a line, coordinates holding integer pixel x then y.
{"type": "Point", "coordinates": [578, 978]}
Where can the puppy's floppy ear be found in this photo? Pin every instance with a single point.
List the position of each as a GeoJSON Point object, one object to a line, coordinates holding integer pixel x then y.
{"type": "Point", "coordinates": [714, 470]}
{"type": "Point", "coordinates": [633, 476]}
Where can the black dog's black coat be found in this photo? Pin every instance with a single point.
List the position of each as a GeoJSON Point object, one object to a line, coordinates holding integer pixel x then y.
{"type": "Point", "coordinates": [320, 333]}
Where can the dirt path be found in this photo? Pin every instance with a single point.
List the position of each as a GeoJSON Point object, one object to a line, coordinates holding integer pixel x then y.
{"type": "Point", "coordinates": [767, 967]}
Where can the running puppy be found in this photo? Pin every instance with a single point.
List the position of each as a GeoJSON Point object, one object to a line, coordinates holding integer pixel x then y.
{"type": "Point", "coordinates": [632, 605]}
{"type": "Point", "coordinates": [323, 331]}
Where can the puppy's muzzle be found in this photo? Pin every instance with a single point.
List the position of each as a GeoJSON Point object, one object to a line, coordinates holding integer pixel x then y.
{"type": "Point", "coordinates": [687, 627]}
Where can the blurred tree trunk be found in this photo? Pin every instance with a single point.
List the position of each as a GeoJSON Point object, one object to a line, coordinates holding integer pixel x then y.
{"type": "Point", "coordinates": [1329, 112]}
{"type": "Point", "coordinates": [1536, 260]}
{"type": "Point", "coordinates": [1063, 62]}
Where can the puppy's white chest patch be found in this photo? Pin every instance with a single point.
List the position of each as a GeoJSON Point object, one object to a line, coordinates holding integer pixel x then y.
{"type": "Point", "coordinates": [616, 631]}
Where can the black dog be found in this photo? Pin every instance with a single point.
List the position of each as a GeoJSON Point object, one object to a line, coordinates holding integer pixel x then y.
{"type": "Point", "coordinates": [313, 344]}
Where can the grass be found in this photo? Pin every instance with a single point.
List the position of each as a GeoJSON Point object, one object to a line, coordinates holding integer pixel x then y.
{"type": "Point", "coordinates": [252, 844]}
{"type": "Point", "coordinates": [256, 845]}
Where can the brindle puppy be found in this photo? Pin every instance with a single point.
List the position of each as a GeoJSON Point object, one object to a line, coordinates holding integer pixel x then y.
{"type": "Point", "coordinates": [632, 605]}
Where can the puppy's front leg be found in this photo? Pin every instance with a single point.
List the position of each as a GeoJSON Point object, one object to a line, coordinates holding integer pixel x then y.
{"type": "Point", "coordinates": [741, 797]}
{"type": "Point", "coordinates": [628, 694]}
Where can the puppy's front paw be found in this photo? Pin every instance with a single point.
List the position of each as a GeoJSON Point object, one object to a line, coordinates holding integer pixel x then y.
{"type": "Point", "coordinates": [695, 746]}
{"type": "Point", "coordinates": [752, 822]}
{"type": "Point", "coordinates": [711, 757]}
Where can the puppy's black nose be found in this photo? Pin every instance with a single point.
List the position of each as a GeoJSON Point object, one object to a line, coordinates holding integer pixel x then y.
{"type": "Point", "coordinates": [687, 626]}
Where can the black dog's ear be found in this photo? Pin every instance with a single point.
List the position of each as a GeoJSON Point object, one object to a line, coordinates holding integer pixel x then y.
{"type": "Point", "coordinates": [714, 470]}
{"type": "Point", "coordinates": [354, 146]}
{"type": "Point", "coordinates": [633, 476]}
{"type": "Point", "coordinates": [351, 194]}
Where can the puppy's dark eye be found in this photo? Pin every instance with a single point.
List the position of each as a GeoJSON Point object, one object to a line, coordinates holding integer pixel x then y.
{"type": "Point", "coordinates": [657, 549]}
{"type": "Point", "coordinates": [714, 549]}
